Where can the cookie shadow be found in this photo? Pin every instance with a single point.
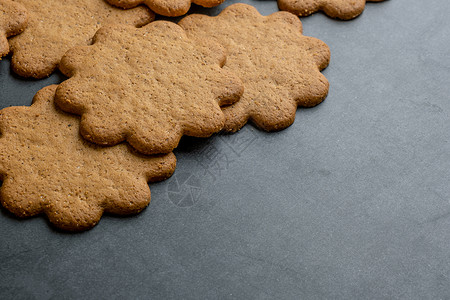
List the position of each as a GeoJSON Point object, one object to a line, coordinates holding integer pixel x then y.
{"type": "Point", "coordinates": [54, 78]}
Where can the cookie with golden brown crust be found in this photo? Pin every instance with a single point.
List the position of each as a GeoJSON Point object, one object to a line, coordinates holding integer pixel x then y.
{"type": "Point", "coordinates": [55, 26]}
{"type": "Point", "coordinates": [149, 86]}
{"type": "Point", "coordinates": [169, 8]}
{"type": "Point", "coordinates": [13, 20]}
{"type": "Point", "coordinates": [279, 66]}
{"type": "Point", "coordinates": [340, 9]}
{"type": "Point", "coordinates": [47, 167]}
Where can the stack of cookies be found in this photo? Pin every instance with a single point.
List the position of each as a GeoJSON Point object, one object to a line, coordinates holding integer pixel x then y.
{"type": "Point", "coordinates": [135, 86]}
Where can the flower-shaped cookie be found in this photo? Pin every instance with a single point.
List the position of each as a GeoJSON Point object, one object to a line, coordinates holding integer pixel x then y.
{"type": "Point", "coordinates": [279, 66]}
{"type": "Point", "coordinates": [169, 8]}
{"type": "Point", "coordinates": [13, 20]}
{"type": "Point", "coordinates": [148, 85]}
{"type": "Point", "coordinates": [341, 9]}
{"type": "Point", "coordinates": [55, 26]}
{"type": "Point", "coordinates": [46, 167]}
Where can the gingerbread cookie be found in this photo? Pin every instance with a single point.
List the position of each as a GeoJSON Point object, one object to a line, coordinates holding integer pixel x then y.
{"type": "Point", "coordinates": [340, 9]}
{"type": "Point", "coordinates": [46, 167]}
{"type": "Point", "coordinates": [55, 26]}
{"type": "Point", "coordinates": [13, 20]}
{"type": "Point", "coordinates": [169, 8]}
{"type": "Point", "coordinates": [279, 66]}
{"type": "Point", "coordinates": [148, 85]}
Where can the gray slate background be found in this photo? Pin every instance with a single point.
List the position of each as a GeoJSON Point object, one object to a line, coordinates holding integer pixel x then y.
{"type": "Point", "coordinates": [352, 201]}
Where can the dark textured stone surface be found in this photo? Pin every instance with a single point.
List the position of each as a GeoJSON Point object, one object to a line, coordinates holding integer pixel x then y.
{"type": "Point", "coordinates": [352, 201]}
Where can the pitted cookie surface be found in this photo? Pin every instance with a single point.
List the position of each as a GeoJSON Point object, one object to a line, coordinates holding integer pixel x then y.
{"type": "Point", "coordinates": [46, 167]}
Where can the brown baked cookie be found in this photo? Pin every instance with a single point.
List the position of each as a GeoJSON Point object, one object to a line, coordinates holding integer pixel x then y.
{"type": "Point", "coordinates": [279, 66]}
{"type": "Point", "coordinates": [340, 9]}
{"type": "Point", "coordinates": [13, 20]}
{"type": "Point", "coordinates": [46, 167]}
{"type": "Point", "coordinates": [148, 85]}
{"type": "Point", "coordinates": [55, 26]}
{"type": "Point", "coordinates": [169, 8]}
